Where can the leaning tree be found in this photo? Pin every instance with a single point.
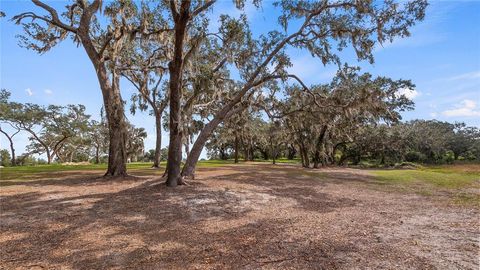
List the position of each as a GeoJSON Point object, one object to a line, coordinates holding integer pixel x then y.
{"type": "Point", "coordinates": [8, 110]}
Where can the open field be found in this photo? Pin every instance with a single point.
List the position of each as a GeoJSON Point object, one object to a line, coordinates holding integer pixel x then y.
{"type": "Point", "coordinates": [247, 216]}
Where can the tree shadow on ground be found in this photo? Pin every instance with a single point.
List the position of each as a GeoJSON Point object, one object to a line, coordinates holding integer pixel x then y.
{"type": "Point", "coordinates": [139, 223]}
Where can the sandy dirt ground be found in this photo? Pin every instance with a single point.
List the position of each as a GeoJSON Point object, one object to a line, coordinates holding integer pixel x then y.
{"type": "Point", "coordinates": [233, 217]}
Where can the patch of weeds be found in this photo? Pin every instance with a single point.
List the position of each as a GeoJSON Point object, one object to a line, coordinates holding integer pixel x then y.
{"type": "Point", "coordinates": [467, 199]}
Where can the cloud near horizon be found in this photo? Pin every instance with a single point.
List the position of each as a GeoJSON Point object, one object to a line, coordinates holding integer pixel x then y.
{"type": "Point", "coordinates": [467, 108]}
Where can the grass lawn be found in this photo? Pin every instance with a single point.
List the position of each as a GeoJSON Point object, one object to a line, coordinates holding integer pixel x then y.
{"type": "Point", "coordinates": [459, 182]}
{"type": "Point", "coordinates": [456, 180]}
{"type": "Point", "coordinates": [19, 173]}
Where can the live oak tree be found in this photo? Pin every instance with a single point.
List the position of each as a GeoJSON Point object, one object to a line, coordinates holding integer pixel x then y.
{"type": "Point", "coordinates": [322, 27]}
{"type": "Point", "coordinates": [190, 32]}
{"type": "Point", "coordinates": [325, 28]}
{"type": "Point", "coordinates": [8, 110]}
{"type": "Point", "coordinates": [344, 112]}
{"type": "Point", "coordinates": [321, 116]}
{"type": "Point", "coordinates": [135, 146]}
{"type": "Point", "coordinates": [75, 148]}
{"type": "Point", "coordinates": [143, 63]}
{"type": "Point", "coordinates": [102, 31]}
{"type": "Point", "coordinates": [97, 135]}
{"type": "Point", "coordinates": [52, 127]}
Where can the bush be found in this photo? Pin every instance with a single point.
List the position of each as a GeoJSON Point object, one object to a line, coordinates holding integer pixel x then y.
{"type": "Point", "coordinates": [449, 157]}
{"type": "Point", "coordinates": [469, 155]}
{"type": "Point", "coordinates": [414, 156]}
{"type": "Point", "coordinates": [5, 159]}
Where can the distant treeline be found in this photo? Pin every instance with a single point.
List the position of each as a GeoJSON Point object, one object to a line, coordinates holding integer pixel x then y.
{"type": "Point", "coordinates": [420, 141]}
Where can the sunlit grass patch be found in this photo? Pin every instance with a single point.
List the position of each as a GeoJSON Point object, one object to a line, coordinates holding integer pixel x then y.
{"type": "Point", "coordinates": [431, 181]}
{"type": "Point", "coordinates": [214, 163]}
{"type": "Point", "coordinates": [439, 178]}
{"type": "Point", "coordinates": [29, 173]}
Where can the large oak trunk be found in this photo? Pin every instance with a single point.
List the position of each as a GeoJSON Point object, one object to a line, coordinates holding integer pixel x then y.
{"type": "Point", "coordinates": [117, 127]}
{"type": "Point", "coordinates": [158, 143]}
{"type": "Point", "coordinates": [117, 154]}
{"type": "Point", "coordinates": [189, 167]}
{"type": "Point", "coordinates": [175, 143]}
{"type": "Point", "coordinates": [175, 86]}
{"type": "Point", "coordinates": [113, 103]}
{"type": "Point", "coordinates": [192, 158]}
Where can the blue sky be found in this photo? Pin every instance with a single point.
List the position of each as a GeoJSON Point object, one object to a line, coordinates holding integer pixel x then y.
{"type": "Point", "coordinates": [442, 57]}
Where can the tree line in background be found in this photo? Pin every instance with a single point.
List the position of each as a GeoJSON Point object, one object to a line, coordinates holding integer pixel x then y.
{"type": "Point", "coordinates": [196, 76]}
{"type": "Point", "coordinates": [60, 133]}
{"type": "Point", "coordinates": [418, 141]}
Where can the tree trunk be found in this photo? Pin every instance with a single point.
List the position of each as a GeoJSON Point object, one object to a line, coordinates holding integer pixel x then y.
{"type": "Point", "coordinates": [264, 154]}
{"type": "Point", "coordinates": [175, 86]}
{"type": "Point", "coordinates": [158, 143]}
{"type": "Point", "coordinates": [236, 147]}
{"type": "Point", "coordinates": [12, 149]}
{"type": "Point", "coordinates": [316, 159]}
{"type": "Point", "coordinates": [117, 152]}
{"type": "Point", "coordinates": [187, 148]}
{"type": "Point", "coordinates": [189, 167]}
{"type": "Point", "coordinates": [307, 159]}
{"type": "Point", "coordinates": [245, 150]}
{"type": "Point", "coordinates": [273, 154]}
{"type": "Point", "coordinates": [97, 159]}
{"type": "Point", "coordinates": [305, 156]}
{"type": "Point", "coordinates": [49, 157]}
{"type": "Point", "coordinates": [112, 101]}
{"type": "Point", "coordinates": [302, 157]}
{"type": "Point", "coordinates": [291, 152]}
{"type": "Point", "coordinates": [320, 149]}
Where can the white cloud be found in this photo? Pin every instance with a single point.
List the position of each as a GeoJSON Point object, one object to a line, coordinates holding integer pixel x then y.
{"type": "Point", "coordinates": [466, 76]}
{"type": "Point", "coordinates": [408, 93]}
{"type": "Point", "coordinates": [310, 69]}
{"type": "Point", "coordinates": [433, 114]}
{"type": "Point", "coordinates": [29, 92]}
{"type": "Point", "coordinates": [48, 91]}
{"type": "Point", "coordinates": [467, 107]}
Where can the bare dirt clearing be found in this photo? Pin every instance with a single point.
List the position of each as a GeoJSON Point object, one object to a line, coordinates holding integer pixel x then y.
{"type": "Point", "coordinates": [243, 216]}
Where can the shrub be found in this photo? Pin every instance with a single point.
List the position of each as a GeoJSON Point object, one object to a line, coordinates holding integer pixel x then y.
{"type": "Point", "coordinates": [414, 156]}
{"type": "Point", "coordinates": [5, 159]}
{"type": "Point", "coordinates": [449, 157]}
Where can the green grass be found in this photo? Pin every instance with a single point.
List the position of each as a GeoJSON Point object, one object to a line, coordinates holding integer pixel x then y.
{"type": "Point", "coordinates": [280, 161]}
{"type": "Point", "coordinates": [437, 178]}
{"type": "Point", "coordinates": [25, 173]}
{"type": "Point", "coordinates": [452, 181]}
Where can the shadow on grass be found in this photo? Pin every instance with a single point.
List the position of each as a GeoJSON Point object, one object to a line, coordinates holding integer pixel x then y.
{"type": "Point", "coordinates": [152, 226]}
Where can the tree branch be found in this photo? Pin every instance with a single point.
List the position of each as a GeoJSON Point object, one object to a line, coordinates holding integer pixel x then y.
{"type": "Point", "coordinates": [203, 8]}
